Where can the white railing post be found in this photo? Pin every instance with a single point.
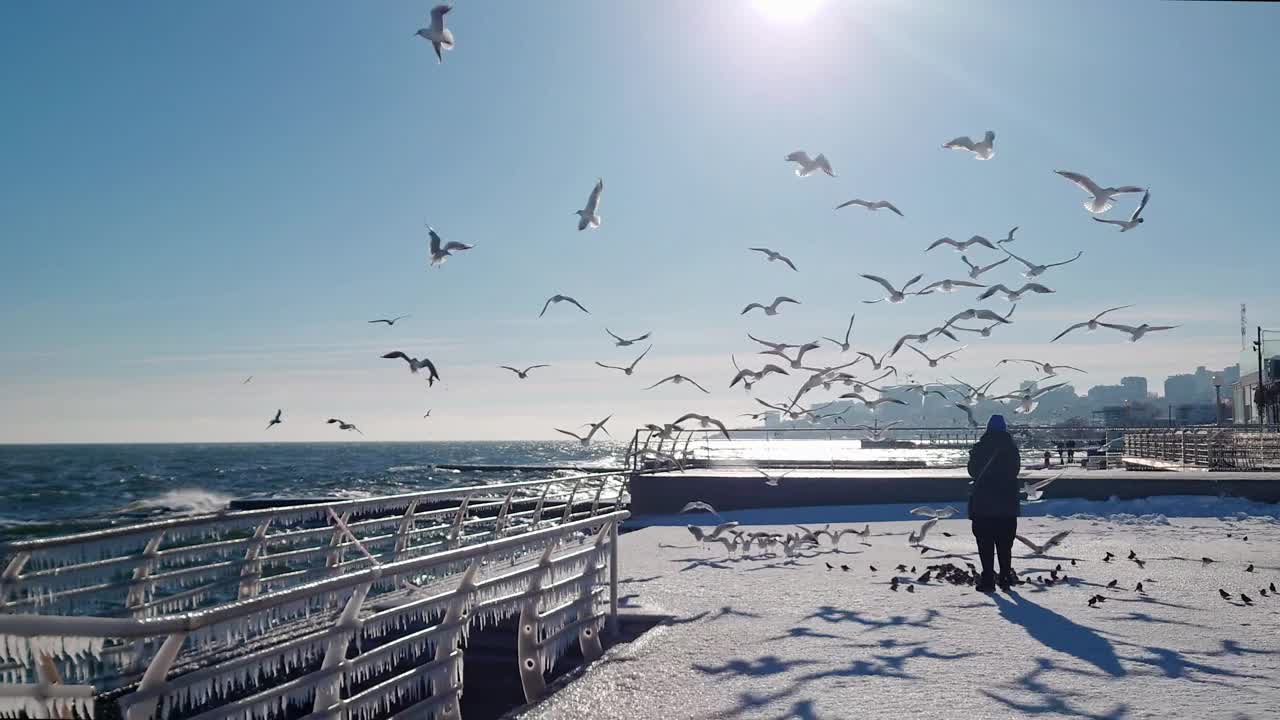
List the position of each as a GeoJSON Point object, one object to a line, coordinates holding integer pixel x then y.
{"type": "Point", "coordinates": [334, 558]}
{"type": "Point", "coordinates": [9, 577]}
{"type": "Point", "coordinates": [459, 612]}
{"type": "Point", "coordinates": [537, 510]}
{"type": "Point", "coordinates": [407, 525]}
{"type": "Point", "coordinates": [588, 638]}
{"type": "Point", "coordinates": [568, 506]}
{"type": "Point", "coordinates": [613, 578]}
{"type": "Point", "coordinates": [138, 586]}
{"type": "Point", "coordinates": [335, 651]}
{"type": "Point", "coordinates": [527, 651]}
{"type": "Point", "coordinates": [155, 675]}
{"type": "Point", "coordinates": [251, 571]}
{"type": "Point", "coordinates": [455, 534]}
{"type": "Point", "coordinates": [501, 523]}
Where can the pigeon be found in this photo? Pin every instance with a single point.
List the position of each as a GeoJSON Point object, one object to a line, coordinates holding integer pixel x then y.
{"type": "Point", "coordinates": [1113, 583]}
{"type": "Point", "coordinates": [808, 167]}
{"type": "Point", "coordinates": [275, 420]}
{"type": "Point", "coordinates": [440, 36]}
{"type": "Point", "coordinates": [1250, 568]}
{"type": "Point", "coordinates": [1108, 557]}
{"type": "Point", "coordinates": [1246, 599]}
{"type": "Point", "coordinates": [415, 365]}
{"type": "Point", "coordinates": [871, 205]}
{"type": "Point", "coordinates": [1225, 595]}
{"type": "Point", "coordinates": [844, 568]}
{"type": "Point", "coordinates": [829, 567]}
{"type": "Point", "coordinates": [983, 149]}
{"type": "Point", "coordinates": [911, 588]}
{"type": "Point", "coordinates": [1134, 220]}
{"type": "Point", "coordinates": [1139, 588]}
{"type": "Point", "coordinates": [556, 299]}
{"type": "Point", "coordinates": [1206, 560]}
{"type": "Point", "coordinates": [589, 217]}
{"type": "Point", "coordinates": [873, 568]}
{"type": "Point", "coordinates": [1101, 199]}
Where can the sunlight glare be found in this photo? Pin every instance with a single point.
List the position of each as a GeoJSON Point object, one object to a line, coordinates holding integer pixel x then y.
{"type": "Point", "coordinates": [792, 11]}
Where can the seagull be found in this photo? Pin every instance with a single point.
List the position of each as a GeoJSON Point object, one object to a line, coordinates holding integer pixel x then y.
{"type": "Point", "coordinates": [1136, 333]}
{"type": "Point", "coordinates": [1101, 199]}
{"type": "Point", "coordinates": [976, 270]}
{"type": "Point", "coordinates": [676, 380]}
{"type": "Point", "coordinates": [961, 246]}
{"type": "Point", "coordinates": [630, 368]}
{"type": "Point", "coordinates": [559, 299]}
{"type": "Point", "coordinates": [1034, 270]}
{"type": "Point", "coordinates": [773, 255]}
{"type": "Point", "coordinates": [1027, 398]}
{"type": "Point", "coordinates": [789, 410]}
{"type": "Point", "coordinates": [982, 150]}
{"type": "Point", "coordinates": [933, 362]}
{"type": "Point", "coordinates": [588, 216]}
{"type": "Point", "coordinates": [1049, 544]}
{"type": "Point", "coordinates": [770, 309]}
{"type": "Point", "coordinates": [1034, 490]}
{"type": "Point", "coordinates": [984, 331]}
{"type": "Point", "coordinates": [343, 425]}
{"type": "Point", "coordinates": [440, 254]}
{"type": "Point", "coordinates": [247, 380]}
{"type": "Point", "coordinates": [921, 337]}
{"type": "Point", "coordinates": [807, 166]}
{"type": "Point", "coordinates": [428, 414]}
{"type": "Point", "coordinates": [948, 286]}
{"type": "Point", "coordinates": [873, 404]}
{"type": "Point", "coordinates": [389, 321]}
{"type": "Point", "coordinates": [623, 342]}
{"type": "Point", "coordinates": [844, 346]}
{"type": "Point", "coordinates": [877, 364]}
{"type": "Point", "coordinates": [872, 206]}
{"type": "Point", "coordinates": [941, 513]}
{"type": "Point", "coordinates": [968, 413]}
{"type": "Point", "coordinates": [705, 421]}
{"type": "Point", "coordinates": [585, 440]}
{"type": "Point", "coordinates": [750, 377]}
{"type": "Point", "coordinates": [797, 362]}
{"type": "Point", "coordinates": [1091, 324]}
{"type": "Point", "coordinates": [522, 374]}
{"type": "Point", "coordinates": [1008, 238]}
{"type": "Point", "coordinates": [895, 295]}
{"type": "Point", "coordinates": [978, 393]}
{"type": "Point", "coordinates": [1049, 369]}
{"type": "Point", "coordinates": [415, 365]}
{"type": "Point", "coordinates": [275, 420]}
{"type": "Point", "coordinates": [439, 35]}
{"type": "Point", "coordinates": [917, 538]}
{"type": "Point", "coordinates": [1015, 295]}
{"type": "Point", "coordinates": [1135, 219]}
{"type": "Point", "coordinates": [972, 313]}
{"type": "Point", "coordinates": [698, 505]}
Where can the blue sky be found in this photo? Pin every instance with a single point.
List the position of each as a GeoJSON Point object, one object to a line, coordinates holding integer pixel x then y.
{"type": "Point", "coordinates": [198, 192]}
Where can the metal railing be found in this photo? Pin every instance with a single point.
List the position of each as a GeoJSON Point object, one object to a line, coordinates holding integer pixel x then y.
{"type": "Point", "coordinates": [351, 609]}
{"type": "Point", "coordinates": [1211, 447]}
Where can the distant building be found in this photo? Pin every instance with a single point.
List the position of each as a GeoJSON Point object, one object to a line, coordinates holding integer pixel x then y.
{"type": "Point", "coordinates": [1195, 414]}
{"type": "Point", "coordinates": [1135, 388]}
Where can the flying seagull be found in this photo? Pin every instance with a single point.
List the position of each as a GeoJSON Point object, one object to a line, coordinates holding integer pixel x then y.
{"type": "Point", "coordinates": [976, 270]}
{"type": "Point", "coordinates": [275, 420]}
{"type": "Point", "coordinates": [984, 149]}
{"type": "Point", "coordinates": [933, 362]}
{"type": "Point", "coordinates": [522, 374]}
{"type": "Point", "coordinates": [1049, 369]}
{"type": "Point", "coordinates": [630, 368]}
{"type": "Point", "coordinates": [948, 286]}
{"type": "Point", "coordinates": [919, 337]}
{"type": "Point", "coordinates": [702, 506]}
{"type": "Point", "coordinates": [1100, 199]}
{"type": "Point", "coordinates": [622, 342]}
{"type": "Point", "coordinates": [876, 364]}
{"type": "Point", "coordinates": [388, 321]}
{"type": "Point", "coordinates": [961, 246]}
{"type": "Point", "coordinates": [1014, 295]}
{"type": "Point", "coordinates": [871, 205]}
{"type": "Point", "coordinates": [246, 380]}
{"type": "Point", "coordinates": [439, 35]}
{"type": "Point", "coordinates": [1027, 398]}
{"type": "Point", "coordinates": [1135, 219]}
{"type": "Point", "coordinates": [968, 413]}
{"type": "Point", "coordinates": [1035, 490]}
{"type": "Point", "coordinates": [941, 513]}
{"type": "Point", "coordinates": [343, 425]}
{"type": "Point", "coordinates": [1052, 542]}
{"type": "Point", "coordinates": [586, 439]}
{"type": "Point", "coordinates": [440, 254]}
{"type": "Point", "coordinates": [895, 295]}
{"type": "Point", "coordinates": [1136, 333]}
{"type": "Point", "coordinates": [1091, 324]}
{"type": "Point", "coordinates": [844, 346]}
{"type": "Point", "coordinates": [772, 255]}
{"type": "Point", "coordinates": [428, 414]}
{"type": "Point", "coordinates": [1034, 270]}
{"type": "Point", "coordinates": [972, 313]}
{"type": "Point", "coordinates": [415, 365]}
{"type": "Point", "coordinates": [797, 362]}
{"type": "Point", "coordinates": [588, 216]}
{"type": "Point", "coordinates": [749, 377]}
{"type": "Point", "coordinates": [808, 167]}
{"type": "Point", "coordinates": [559, 299]}
{"type": "Point", "coordinates": [705, 421]}
{"type": "Point", "coordinates": [1008, 238]}
{"type": "Point", "coordinates": [873, 404]}
{"type": "Point", "coordinates": [676, 380]}
{"type": "Point", "coordinates": [770, 309]}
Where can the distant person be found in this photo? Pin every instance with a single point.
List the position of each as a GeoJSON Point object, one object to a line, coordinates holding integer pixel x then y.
{"type": "Point", "coordinates": [1061, 447]}
{"type": "Point", "coordinates": [1071, 451]}
{"type": "Point", "coordinates": [1048, 459]}
{"type": "Point", "coordinates": [993, 501]}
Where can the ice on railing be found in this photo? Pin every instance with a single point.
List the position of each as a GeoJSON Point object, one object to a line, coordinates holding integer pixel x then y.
{"type": "Point", "coordinates": [71, 650]}
{"type": "Point", "coordinates": [36, 707]}
{"type": "Point", "coordinates": [263, 668]}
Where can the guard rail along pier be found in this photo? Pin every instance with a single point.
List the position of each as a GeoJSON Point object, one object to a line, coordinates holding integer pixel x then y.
{"type": "Point", "coordinates": [352, 610]}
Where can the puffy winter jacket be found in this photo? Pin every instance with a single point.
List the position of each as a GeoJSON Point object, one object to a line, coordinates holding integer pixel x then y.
{"type": "Point", "coordinates": [994, 466]}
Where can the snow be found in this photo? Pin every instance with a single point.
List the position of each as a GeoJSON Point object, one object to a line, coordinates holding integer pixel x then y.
{"type": "Point", "coordinates": [764, 637]}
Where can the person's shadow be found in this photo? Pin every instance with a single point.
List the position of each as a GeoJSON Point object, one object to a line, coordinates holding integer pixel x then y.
{"type": "Point", "coordinates": [1058, 633]}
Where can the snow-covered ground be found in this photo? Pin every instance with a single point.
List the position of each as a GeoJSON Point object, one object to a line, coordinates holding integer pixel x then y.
{"type": "Point", "coordinates": [764, 637]}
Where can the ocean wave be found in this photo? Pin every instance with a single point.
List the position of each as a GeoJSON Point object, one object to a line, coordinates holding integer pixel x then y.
{"type": "Point", "coordinates": [182, 502]}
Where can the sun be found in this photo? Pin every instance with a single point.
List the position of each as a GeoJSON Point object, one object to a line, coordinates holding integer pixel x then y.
{"type": "Point", "coordinates": [791, 11]}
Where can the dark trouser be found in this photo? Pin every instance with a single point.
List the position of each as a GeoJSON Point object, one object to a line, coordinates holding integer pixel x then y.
{"type": "Point", "coordinates": [995, 536]}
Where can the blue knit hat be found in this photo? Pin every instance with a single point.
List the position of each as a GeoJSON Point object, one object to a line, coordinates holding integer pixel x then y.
{"type": "Point", "coordinates": [996, 423]}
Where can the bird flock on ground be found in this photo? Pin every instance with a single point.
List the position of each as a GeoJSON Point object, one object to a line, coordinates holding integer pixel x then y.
{"type": "Point", "coordinates": [793, 358]}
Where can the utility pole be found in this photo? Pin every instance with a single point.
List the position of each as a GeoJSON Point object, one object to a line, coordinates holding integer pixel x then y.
{"type": "Point", "coordinates": [1259, 395]}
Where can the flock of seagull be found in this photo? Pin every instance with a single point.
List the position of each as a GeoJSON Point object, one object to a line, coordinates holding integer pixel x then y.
{"type": "Point", "coordinates": [791, 357]}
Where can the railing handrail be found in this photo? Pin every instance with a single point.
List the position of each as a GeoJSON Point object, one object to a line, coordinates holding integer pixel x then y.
{"type": "Point", "coordinates": [29, 625]}
{"type": "Point", "coordinates": [150, 528]}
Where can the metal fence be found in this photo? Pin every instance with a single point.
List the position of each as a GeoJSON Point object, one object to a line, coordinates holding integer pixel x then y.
{"type": "Point", "coordinates": [1212, 447]}
{"type": "Point", "coordinates": [351, 609]}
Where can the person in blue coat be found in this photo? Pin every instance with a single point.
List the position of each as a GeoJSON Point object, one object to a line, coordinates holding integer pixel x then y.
{"type": "Point", "coordinates": [993, 502]}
